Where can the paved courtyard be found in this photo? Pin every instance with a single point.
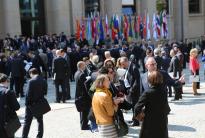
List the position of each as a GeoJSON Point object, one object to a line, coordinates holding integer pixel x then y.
{"type": "Point", "coordinates": [186, 120]}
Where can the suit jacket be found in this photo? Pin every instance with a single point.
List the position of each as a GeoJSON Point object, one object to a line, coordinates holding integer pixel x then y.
{"type": "Point", "coordinates": [17, 67]}
{"type": "Point", "coordinates": [167, 80]}
{"type": "Point", "coordinates": [174, 66]}
{"type": "Point", "coordinates": [133, 78]}
{"type": "Point", "coordinates": [156, 110]}
{"type": "Point", "coordinates": [36, 89]}
{"type": "Point", "coordinates": [80, 79]}
{"type": "Point", "coordinates": [60, 68]}
{"type": "Point", "coordinates": [11, 102]}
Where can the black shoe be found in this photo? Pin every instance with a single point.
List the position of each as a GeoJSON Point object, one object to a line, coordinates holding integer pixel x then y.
{"type": "Point", "coordinates": [22, 96]}
{"type": "Point", "coordinates": [57, 101]}
{"type": "Point", "coordinates": [86, 128]}
{"type": "Point", "coordinates": [68, 98]}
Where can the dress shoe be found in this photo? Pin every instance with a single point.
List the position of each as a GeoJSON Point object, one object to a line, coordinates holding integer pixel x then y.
{"type": "Point", "coordinates": [174, 99]}
{"type": "Point", "coordinates": [22, 96]}
{"type": "Point", "coordinates": [57, 101]}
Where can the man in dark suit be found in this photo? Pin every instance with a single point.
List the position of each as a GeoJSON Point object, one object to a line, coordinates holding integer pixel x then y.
{"type": "Point", "coordinates": [60, 71]}
{"type": "Point", "coordinates": [36, 89]}
{"type": "Point", "coordinates": [132, 83]}
{"type": "Point", "coordinates": [151, 65]}
{"type": "Point", "coordinates": [17, 73]}
{"type": "Point", "coordinates": [80, 79]}
{"type": "Point", "coordinates": [67, 58]}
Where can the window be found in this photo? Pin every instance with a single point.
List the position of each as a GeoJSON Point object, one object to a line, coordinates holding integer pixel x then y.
{"type": "Point", "coordinates": [92, 7]}
{"type": "Point", "coordinates": [163, 5]}
{"type": "Point", "coordinates": [194, 6]}
{"type": "Point", "coordinates": [128, 7]}
{"type": "Point", "coordinates": [32, 17]}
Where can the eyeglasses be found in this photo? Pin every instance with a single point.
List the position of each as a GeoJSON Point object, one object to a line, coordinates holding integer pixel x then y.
{"type": "Point", "coordinates": [152, 64]}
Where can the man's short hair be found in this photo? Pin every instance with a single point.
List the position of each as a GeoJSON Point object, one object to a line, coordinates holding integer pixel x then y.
{"type": "Point", "coordinates": [33, 71]}
{"type": "Point", "coordinates": [3, 77]}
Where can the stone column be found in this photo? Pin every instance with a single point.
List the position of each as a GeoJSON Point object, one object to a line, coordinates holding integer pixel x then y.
{"type": "Point", "coordinates": [10, 12]}
{"type": "Point", "coordinates": [57, 16]}
{"type": "Point", "coordinates": [1, 22]}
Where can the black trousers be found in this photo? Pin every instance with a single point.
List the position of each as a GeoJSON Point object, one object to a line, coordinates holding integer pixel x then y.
{"type": "Point", "coordinates": [67, 85]}
{"type": "Point", "coordinates": [84, 120]}
{"type": "Point", "coordinates": [28, 120]}
{"type": "Point", "coordinates": [19, 82]}
{"type": "Point", "coordinates": [60, 96]}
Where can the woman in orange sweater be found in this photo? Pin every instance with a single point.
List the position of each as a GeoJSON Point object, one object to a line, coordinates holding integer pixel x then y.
{"type": "Point", "coordinates": [194, 67]}
{"type": "Point", "coordinates": [104, 107]}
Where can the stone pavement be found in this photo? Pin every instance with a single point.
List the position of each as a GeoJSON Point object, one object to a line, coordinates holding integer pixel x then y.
{"type": "Point", "coordinates": [186, 120]}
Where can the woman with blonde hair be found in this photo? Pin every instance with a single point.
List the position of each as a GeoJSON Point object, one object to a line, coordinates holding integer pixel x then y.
{"type": "Point", "coordinates": [104, 107]}
{"type": "Point", "coordinates": [194, 67]}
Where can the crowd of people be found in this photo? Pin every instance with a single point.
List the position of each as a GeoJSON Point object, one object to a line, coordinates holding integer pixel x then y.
{"type": "Point", "coordinates": [110, 78]}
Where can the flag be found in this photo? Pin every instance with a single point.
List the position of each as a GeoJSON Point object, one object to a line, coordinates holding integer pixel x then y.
{"type": "Point", "coordinates": [164, 25]}
{"type": "Point", "coordinates": [154, 27]}
{"type": "Point", "coordinates": [125, 27]}
{"type": "Point", "coordinates": [130, 27]}
{"type": "Point", "coordinates": [83, 29]}
{"type": "Point", "coordinates": [148, 28]}
{"type": "Point", "coordinates": [77, 30]}
{"type": "Point", "coordinates": [101, 30]}
{"type": "Point", "coordinates": [88, 30]}
{"type": "Point", "coordinates": [116, 25]}
{"type": "Point", "coordinates": [106, 25]}
{"type": "Point", "coordinates": [144, 26]}
{"type": "Point", "coordinates": [158, 26]}
{"type": "Point", "coordinates": [93, 23]}
{"type": "Point", "coordinates": [135, 27]}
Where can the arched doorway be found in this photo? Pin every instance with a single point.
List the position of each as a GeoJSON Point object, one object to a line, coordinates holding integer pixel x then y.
{"type": "Point", "coordinates": [32, 17]}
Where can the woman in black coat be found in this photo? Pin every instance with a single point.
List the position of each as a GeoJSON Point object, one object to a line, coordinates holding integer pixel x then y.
{"type": "Point", "coordinates": [154, 104]}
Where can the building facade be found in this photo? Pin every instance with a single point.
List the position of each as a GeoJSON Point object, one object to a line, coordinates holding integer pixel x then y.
{"type": "Point", "coordinates": [186, 18]}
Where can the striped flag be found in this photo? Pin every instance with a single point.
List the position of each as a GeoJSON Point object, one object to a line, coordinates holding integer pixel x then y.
{"type": "Point", "coordinates": [148, 28]}
{"type": "Point", "coordinates": [158, 26]}
{"type": "Point", "coordinates": [154, 27]}
{"type": "Point", "coordinates": [77, 30]}
{"type": "Point", "coordinates": [106, 25]}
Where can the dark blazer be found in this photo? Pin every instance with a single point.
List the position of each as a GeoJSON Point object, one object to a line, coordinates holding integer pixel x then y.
{"type": "Point", "coordinates": [60, 68]}
{"type": "Point", "coordinates": [159, 61]}
{"type": "Point", "coordinates": [36, 89]}
{"type": "Point", "coordinates": [133, 78]}
{"type": "Point", "coordinates": [80, 79]}
{"type": "Point", "coordinates": [174, 66]}
{"type": "Point", "coordinates": [13, 106]}
{"type": "Point", "coordinates": [17, 67]}
{"type": "Point", "coordinates": [154, 125]}
{"type": "Point", "coordinates": [167, 80]}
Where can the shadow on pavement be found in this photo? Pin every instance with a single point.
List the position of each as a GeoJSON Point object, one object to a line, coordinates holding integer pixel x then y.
{"type": "Point", "coordinates": [190, 102]}
{"type": "Point", "coordinates": [180, 128]}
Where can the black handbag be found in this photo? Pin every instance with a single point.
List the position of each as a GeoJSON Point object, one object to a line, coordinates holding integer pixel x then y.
{"type": "Point", "coordinates": [11, 120]}
{"type": "Point", "coordinates": [39, 108]}
{"type": "Point", "coordinates": [121, 126]}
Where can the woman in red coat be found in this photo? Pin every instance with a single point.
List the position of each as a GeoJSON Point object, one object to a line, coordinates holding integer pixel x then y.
{"type": "Point", "coordinates": [194, 67]}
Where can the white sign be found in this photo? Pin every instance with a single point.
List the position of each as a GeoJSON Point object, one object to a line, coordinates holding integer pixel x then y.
{"type": "Point", "coordinates": [127, 2]}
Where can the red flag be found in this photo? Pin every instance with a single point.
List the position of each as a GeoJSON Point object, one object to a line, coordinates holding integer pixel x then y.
{"type": "Point", "coordinates": [125, 27]}
{"type": "Point", "coordinates": [77, 29]}
{"type": "Point", "coordinates": [93, 28]}
{"type": "Point", "coordinates": [145, 26]}
{"type": "Point", "coordinates": [83, 29]}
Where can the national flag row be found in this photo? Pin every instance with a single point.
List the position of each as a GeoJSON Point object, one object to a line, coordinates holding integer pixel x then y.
{"type": "Point", "coordinates": [125, 27]}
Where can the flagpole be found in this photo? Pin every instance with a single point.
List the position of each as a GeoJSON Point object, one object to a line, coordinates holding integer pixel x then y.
{"type": "Point", "coordinates": [169, 30]}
